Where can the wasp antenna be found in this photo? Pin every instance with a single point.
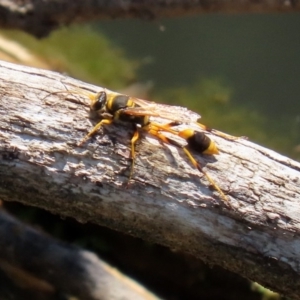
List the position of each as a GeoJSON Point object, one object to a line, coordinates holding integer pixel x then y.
{"type": "Point", "coordinates": [91, 96]}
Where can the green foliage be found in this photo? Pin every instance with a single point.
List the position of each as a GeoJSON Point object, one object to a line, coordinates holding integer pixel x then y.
{"type": "Point", "coordinates": [83, 53]}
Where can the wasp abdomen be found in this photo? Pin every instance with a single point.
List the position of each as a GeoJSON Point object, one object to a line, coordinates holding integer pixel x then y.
{"type": "Point", "coordinates": [198, 141]}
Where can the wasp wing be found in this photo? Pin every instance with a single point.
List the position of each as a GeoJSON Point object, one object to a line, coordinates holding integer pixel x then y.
{"type": "Point", "coordinates": [163, 111]}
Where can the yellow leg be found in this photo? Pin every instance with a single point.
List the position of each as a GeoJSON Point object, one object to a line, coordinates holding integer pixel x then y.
{"type": "Point", "coordinates": [155, 127]}
{"type": "Point", "coordinates": [154, 131]}
{"type": "Point", "coordinates": [159, 135]}
{"type": "Point", "coordinates": [94, 130]}
{"type": "Point", "coordinates": [133, 141]}
{"type": "Point", "coordinates": [198, 166]}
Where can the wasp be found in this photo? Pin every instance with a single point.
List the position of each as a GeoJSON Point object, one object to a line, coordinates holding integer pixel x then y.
{"type": "Point", "coordinates": [113, 107]}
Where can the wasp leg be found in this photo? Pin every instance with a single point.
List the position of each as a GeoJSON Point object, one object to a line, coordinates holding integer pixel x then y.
{"type": "Point", "coordinates": [196, 164]}
{"type": "Point", "coordinates": [155, 127]}
{"type": "Point", "coordinates": [134, 139]}
{"type": "Point", "coordinates": [94, 130]}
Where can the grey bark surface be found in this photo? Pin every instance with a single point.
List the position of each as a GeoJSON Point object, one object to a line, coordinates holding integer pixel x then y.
{"type": "Point", "coordinates": [39, 18]}
{"type": "Point", "coordinates": [168, 202]}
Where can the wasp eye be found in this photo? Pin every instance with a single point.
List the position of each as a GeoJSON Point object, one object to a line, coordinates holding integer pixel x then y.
{"type": "Point", "coordinates": [100, 101]}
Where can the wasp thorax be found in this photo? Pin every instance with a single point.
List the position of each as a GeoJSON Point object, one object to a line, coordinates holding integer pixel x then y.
{"type": "Point", "coordinates": [99, 102]}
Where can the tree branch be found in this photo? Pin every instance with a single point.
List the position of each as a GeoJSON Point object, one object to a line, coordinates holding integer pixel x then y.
{"type": "Point", "coordinates": [168, 202]}
{"type": "Point", "coordinates": [36, 266]}
{"type": "Point", "coordinates": [39, 18]}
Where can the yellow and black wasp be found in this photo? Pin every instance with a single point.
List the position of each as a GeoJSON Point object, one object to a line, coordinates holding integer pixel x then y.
{"type": "Point", "coordinates": [113, 107]}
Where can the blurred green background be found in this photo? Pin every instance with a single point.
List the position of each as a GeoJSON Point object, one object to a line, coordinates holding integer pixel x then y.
{"type": "Point", "coordinates": [240, 72]}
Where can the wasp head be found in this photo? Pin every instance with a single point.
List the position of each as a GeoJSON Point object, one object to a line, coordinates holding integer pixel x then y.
{"type": "Point", "coordinates": [99, 103]}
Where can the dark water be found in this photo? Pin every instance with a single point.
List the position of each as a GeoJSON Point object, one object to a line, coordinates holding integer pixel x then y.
{"type": "Point", "coordinates": [257, 54]}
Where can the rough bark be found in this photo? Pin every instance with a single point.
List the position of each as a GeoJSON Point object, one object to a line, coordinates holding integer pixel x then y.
{"type": "Point", "coordinates": [35, 266]}
{"type": "Point", "coordinates": [39, 18]}
{"type": "Point", "coordinates": [168, 202]}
